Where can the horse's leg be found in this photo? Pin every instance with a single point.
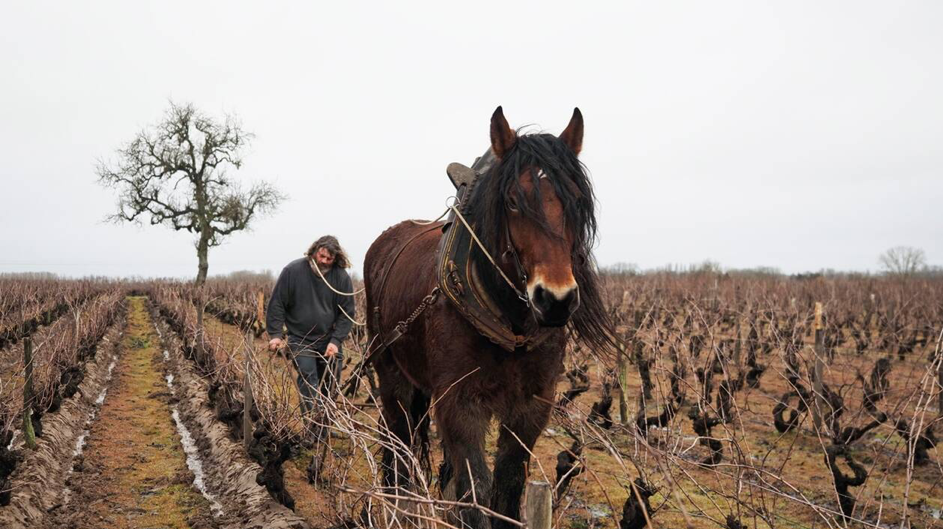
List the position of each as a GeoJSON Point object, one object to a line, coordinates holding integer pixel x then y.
{"type": "Point", "coordinates": [517, 437]}
{"type": "Point", "coordinates": [462, 427]}
{"type": "Point", "coordinates": [396, 396]}
{"type": "Point", "coordinates": [445, 471]}
{"type": "Point", "coordinates": [419, 421]}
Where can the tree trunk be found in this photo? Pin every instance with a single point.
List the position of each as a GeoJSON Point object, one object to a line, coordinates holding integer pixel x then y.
{"type": "Point", "coordinates": [202, 251]}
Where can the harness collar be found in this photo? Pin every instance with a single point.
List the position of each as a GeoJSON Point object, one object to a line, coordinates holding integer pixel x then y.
{"type": "Point", "coordinates": [459, 279]}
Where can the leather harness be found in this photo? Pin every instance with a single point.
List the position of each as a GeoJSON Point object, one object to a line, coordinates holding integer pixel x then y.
{"type": "Point", "coordinates": [457, 276]}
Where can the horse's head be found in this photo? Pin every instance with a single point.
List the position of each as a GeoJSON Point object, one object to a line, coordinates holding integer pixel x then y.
{"type": "Point", "coordinates": [535, 209]}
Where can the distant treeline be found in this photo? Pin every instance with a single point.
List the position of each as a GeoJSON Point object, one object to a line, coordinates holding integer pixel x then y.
{"type": "Point", "coordinates": [712, 267]}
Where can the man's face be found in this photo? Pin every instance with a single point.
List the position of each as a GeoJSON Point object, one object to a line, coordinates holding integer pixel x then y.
{"type": "Point", "coordinates": [324, 259]}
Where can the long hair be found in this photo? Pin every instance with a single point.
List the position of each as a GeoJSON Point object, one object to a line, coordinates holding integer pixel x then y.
{"type": "Point", "coordinates": [572, 186]}
{"type": "Point", "coordinates": [329, 243]}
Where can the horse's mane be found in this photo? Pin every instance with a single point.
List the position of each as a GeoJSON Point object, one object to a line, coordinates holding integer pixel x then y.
{"type": "Point", "coordinates": [572, 185]}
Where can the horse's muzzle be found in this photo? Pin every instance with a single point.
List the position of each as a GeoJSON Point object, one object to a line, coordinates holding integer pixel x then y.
{"type": "Point", "coordinates": [553, 311]}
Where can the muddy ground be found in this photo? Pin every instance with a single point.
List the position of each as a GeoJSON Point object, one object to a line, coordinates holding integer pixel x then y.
{"type": "Point", "coordinates": [597, 495]}
{"type": "Point", "coordinates": [113, 455]}
{"type": "Point", "coordinates": [133, 470]}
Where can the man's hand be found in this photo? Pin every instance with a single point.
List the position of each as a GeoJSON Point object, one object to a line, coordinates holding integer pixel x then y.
{"type": "Point", "coordinates": [331, 350]}
{"type": "Point", "coordinates": [275, 344]}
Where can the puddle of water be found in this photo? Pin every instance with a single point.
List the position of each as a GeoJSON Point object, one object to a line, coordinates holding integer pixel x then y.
{"type": "Point", "coordinates": [101, 396]}
{"type": "Point", "coordinates": [79, 445]}
{"type": "Point", "coordinates": [194, 463]}
{"type": "Point", "coordinates": [80, 442]}
{"type": "Point", "coordinates": [597, 511]}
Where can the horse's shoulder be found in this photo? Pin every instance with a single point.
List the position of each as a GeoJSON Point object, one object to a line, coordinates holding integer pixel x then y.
{"type": "Point", "coordinates": [406, 241]}
{"type": "Point", "coordinates": [404, 232]}
{"type": "Point", "coordinates": [382, 243]}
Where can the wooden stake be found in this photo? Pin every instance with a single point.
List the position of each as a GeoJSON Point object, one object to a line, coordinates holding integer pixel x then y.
{"type": "Point", "coordinates": [200, 349]}
{"type": "Point", "coordinates": [28, 433]}
{"type": "Point", "coordinates": [715, 303]}
{"type": "Point", "coordinates": [261, 310]}
{"type": "Point", "coordinates": [737, 346]}
{"type": "Point", "coordinates": [623, 384]}
{"type": "Point", "coordinates": [939, 369]}
{"type": "Point", "coordinates": [539, 505]}
{"type": "Point", "coordinates": [818, 387]}
{"type": "Point", "coordinates": [247, 395]}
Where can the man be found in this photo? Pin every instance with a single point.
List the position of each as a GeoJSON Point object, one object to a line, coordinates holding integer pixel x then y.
{"type": "Point", "coordinates": [310, 309]}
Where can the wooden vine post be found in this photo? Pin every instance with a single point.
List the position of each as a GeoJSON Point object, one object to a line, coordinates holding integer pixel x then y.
{"type": "Point", "coordinates": [28, 433]}
{"type": "Point", "coordinates": [738, 344]}
{"type": "Point", "coordinates": [260, 308]}
{"type": "Point", "coordinates": [818, 387]}
{"type": "Point", "coordinates": [623, 383]}
{"type": "Point", "coordinates": [939, 368]}
{"type": "Point", "coordinates": [622, 370]}
{"type": "Point", "coordinates": [247, 395]}
{"type": "Point", "coordinates": [200, 347]}
{"type": "Point", "coordinates": [539, 508]}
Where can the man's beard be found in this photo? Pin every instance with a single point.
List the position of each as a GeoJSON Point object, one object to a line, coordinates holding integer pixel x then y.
{"type": "Point", "coordinates": [324, 269]}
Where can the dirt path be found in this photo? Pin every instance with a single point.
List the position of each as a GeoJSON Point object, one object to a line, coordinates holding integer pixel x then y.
{"type": "Point", "coordinates": [133, 471]}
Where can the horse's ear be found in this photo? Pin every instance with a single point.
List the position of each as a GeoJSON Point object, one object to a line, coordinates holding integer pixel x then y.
{"type": "Point", "coordinates": [502, 137]}
{"type": "Point", "coordinates": [573, 135]}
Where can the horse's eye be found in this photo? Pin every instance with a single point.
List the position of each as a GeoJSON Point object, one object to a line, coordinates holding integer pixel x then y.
{"type": "Point", "coordinates": [512, 204]}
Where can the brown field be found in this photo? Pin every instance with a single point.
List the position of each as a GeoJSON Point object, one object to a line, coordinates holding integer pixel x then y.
{"type": "Point", "coordinates": [763, 478]}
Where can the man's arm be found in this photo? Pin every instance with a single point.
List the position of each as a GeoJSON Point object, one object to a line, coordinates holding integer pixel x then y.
{"type": "Point", "coordinates": [281, 299]}
{"type": "Point", "coordinates": [342, 323]}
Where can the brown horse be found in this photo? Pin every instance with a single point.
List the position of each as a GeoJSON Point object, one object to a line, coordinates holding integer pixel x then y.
{"type": "Point", "coordinates": [533, 212]}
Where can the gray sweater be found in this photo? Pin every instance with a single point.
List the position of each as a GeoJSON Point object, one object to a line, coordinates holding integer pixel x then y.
{"type": "Point", "coordinates": [308, 308]}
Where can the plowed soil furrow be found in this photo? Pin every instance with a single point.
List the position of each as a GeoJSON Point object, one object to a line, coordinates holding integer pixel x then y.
{"type": "Point", "coordinates": [314, 504]}
{"type": "Point", "coordinates": [133, 471]}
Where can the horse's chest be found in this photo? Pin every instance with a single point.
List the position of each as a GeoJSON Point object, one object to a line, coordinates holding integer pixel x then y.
{"type": "Point", "coordinates": [509, 381]}
{"type": "Point", "coordinates": [468, 368]}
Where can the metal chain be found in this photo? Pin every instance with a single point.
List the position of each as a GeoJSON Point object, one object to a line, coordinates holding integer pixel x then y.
{"type": "Point", "coordinates": [426, 301]}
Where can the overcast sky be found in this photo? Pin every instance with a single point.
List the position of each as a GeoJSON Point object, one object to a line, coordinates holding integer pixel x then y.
{"type": "Point", "coordinates": [800, 135]}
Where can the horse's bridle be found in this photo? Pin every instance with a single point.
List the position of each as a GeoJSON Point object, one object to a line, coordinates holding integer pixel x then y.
{"type": "Point", "coordinates": [521, 272]}
{"type": "Point", "coordinates": [519, 268]}
{"type": "Point", "coordinates": [458, 285]}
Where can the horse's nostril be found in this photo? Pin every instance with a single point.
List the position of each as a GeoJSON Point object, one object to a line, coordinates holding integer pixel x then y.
{"type": "Point", "coordinates": [573, 299]}
{"type": "Point", "coordinates": [554, 310]}
{"type": "Point", "coordinates": [540, 298]}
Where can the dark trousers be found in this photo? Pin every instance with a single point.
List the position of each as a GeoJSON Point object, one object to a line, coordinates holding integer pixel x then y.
{"type": "Point", "coordinates": [316, 374]}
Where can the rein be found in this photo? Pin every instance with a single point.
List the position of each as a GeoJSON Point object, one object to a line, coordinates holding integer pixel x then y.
{"type": "Point", "coordinates": [517, 262]}
{"type": "Point", "coordinates": [338, 292]}
{"type": "Point", "coordinates": [458, 275]}
{"type": "Point", "coordinates": [453, 267]}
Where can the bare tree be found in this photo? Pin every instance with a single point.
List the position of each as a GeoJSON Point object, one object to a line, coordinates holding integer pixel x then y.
{"type": "Point", "coordinates": [903, 260]}
{"type": "Point", "coordinates": [175, 174]}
